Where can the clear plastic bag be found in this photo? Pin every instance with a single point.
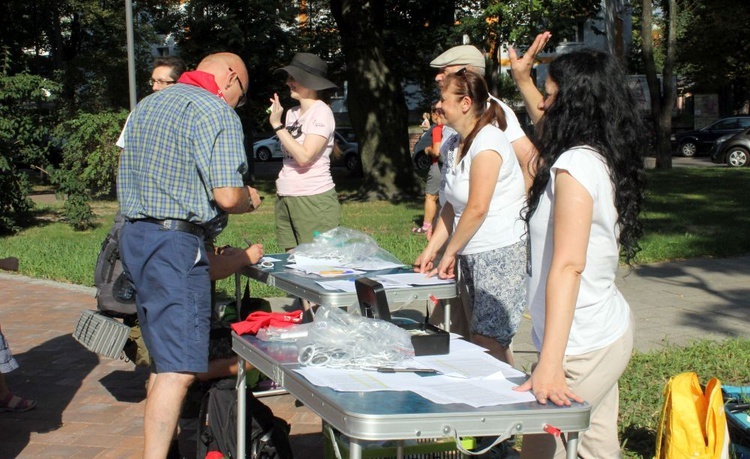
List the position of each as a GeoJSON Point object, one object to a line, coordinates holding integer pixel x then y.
{"type": "Point", "coordinates": [347, 247]}
{"type": "Point", "coordinates": [338, 339]}
{"type": "Point", "coordinates": [291, 333]}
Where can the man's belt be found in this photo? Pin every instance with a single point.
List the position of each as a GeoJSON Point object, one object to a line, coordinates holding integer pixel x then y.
{"type": "Point", "coordinates": [177, 225]}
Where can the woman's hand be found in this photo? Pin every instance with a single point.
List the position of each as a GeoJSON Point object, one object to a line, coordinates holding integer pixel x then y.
{"type": "Point", "coordinates": [547, 382]}
{"type": "Point", "coordinates": [276, 111]}
{"type": "Point", "coordinates": [447, 267]}
{"type": "Point", "coordinates": [424, 262]}
{"type": "Point", "coordinates": [521, 72]}
{"type": "Point", "coordinates": [521, 68]}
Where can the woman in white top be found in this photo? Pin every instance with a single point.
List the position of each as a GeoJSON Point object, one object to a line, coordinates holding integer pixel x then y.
{"type": "Point", "coordinates": [306, 196]}
{"type": "Point", "coordinates": [480, 224]}
{"type": "Point", "coordinates": [583, 214]}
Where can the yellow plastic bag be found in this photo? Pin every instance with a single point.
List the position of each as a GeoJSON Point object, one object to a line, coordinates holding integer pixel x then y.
{"type": "Point", "coordinates": [693, 423]}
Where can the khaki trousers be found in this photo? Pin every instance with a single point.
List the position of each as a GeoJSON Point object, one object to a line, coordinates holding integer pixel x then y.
{"type": "Point", "coordinates": [592, 376]}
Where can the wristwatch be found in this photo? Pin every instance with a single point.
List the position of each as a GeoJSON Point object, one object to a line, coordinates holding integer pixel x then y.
{"type": "Point", "coordinates": [278, 128]}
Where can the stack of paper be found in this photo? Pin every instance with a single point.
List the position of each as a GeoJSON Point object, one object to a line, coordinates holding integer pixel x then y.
{"type": "Point", "coordinates": [402, 280]}
{"type": "Point", "coordinates": [467, 375]}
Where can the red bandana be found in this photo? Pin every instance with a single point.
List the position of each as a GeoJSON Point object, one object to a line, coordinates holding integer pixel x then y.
{"type": "Point", "coordinates": [202, 80]}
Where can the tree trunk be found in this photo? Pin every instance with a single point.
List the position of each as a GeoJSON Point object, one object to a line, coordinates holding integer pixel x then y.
{"type": "Point", "coordinates": [661, 103]}
{"type": "Point", "coordinates": [376, 104]}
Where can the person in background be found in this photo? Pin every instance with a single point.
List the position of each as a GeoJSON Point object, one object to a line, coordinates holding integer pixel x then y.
{"type": "Point", "coordinates": [480, 222]}
{"type": "Point", "coordinates": [8, 400]}
{"type": "Point", "coordinates": [582, 216]}
{"type": "Point", "coordinates": [177, 175]}
{"type": "Point", "coordinates": [425, 122]}
{"type": "Point", "coordinates": [432, 185]}
{"type": "Point", "coordinates": [307, 202]}
{"type": "Point", "coordinates": [166, 71]}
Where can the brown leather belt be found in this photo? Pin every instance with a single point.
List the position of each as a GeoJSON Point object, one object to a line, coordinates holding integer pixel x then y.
{"type": "Point", "coordinates": [177, 225]}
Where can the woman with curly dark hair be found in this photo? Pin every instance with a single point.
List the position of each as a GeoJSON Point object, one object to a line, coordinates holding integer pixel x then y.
{"type": "Point", "coordinates": [582, 214]}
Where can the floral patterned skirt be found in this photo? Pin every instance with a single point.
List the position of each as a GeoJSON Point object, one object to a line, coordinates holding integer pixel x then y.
{"type": "Point", "coordinates": [496, 283]}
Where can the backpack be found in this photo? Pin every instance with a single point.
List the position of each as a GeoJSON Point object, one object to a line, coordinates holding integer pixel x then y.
{"type": "Point", "coordinates": [115, 294]}
{"type": "Point", "coordinates": [693, 423]}
{"type": "Point", "coordinates": [266, 437]}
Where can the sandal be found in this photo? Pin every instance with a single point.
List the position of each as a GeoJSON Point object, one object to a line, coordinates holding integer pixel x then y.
{"type": "Point", "coordinates": [16, 404]}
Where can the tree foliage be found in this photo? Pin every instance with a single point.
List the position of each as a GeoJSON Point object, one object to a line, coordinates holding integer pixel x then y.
{"type": "Point", "coordinates": [24, 136]}
{"type": "Point", "coordinates": [713, 52]}
{"type": "Point", "coordinates": [256, 30]}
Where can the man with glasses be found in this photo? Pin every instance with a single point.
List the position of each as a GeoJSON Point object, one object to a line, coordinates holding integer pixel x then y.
{"type": "Point", "coordinates": [181, 170]}
{"type": "Point", "coordinates": [167, 70]}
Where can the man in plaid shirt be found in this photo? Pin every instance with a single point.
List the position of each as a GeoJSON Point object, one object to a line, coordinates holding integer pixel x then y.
{"type": "Point", "coordinates": [180, 172]}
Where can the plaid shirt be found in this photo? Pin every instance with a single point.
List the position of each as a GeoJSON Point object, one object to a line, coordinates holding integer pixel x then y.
{"type": "Point", "coordinates": [180, 144]}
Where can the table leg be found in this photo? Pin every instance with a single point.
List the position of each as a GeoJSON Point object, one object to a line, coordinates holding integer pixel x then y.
{"type": "Point", "coordinates": [447, 318]}
{"type": "Point", "coordinates": [572, 447]}
{"type": "Point", "coordinates": [241, 407]}
{"type": "Point", "coordinates": [355, 449]}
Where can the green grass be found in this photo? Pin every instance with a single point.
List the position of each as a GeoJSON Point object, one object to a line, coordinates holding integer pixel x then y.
{"type": "Point", "coordinates": [642, 385]}
{"type": "Point", "coordinates": [694, 213]}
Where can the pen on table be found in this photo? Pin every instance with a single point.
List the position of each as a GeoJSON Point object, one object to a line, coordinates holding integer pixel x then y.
{"type": "Point", "coordinates": [406, 370]}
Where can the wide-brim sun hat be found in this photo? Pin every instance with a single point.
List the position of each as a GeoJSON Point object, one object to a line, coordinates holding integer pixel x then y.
{"type": "Point", "coordinates": [309, 70]}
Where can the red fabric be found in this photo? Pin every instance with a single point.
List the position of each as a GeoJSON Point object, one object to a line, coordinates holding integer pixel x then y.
{"type": "Point", "coordinates": [260, 319]}
{"type": "Point", "coordinates": [437, 133]}
{"type": "Point", "coordinates": [437, 136]}
{"type": "Point", "coordinates": [214, 455]}
{"type": "Point", "coordinates": [202, 80]}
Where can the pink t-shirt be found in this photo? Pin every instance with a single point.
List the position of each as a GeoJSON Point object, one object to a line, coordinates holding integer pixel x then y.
{"type": "Point", "coordinates": [315, 178]}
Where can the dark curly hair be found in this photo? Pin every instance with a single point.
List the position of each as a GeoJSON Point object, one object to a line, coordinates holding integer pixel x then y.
{"type": "Point", "coordinates": [594, 106]}
{"type": "Point", "coordinates": [468, 83]}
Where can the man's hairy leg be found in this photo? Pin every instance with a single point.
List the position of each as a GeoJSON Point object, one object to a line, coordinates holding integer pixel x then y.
{"type": "Point", "coordinates": [162, 409]}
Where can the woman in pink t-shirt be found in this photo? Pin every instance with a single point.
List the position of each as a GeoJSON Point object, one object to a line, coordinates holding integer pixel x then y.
{"type": "Point", "coordinates": [306, 196]}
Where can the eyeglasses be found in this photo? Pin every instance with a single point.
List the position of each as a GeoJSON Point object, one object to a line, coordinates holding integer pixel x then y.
{"type": "Point", "coordinates": [243, 97]}
{"type": "Point", "coordinates": [152, 82]}
{"type": "Point", "coordinates": [462, 73]}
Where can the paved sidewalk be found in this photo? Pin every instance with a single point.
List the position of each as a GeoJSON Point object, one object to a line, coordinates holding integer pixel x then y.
{"type": "Point", "coordinates": [91, 406]}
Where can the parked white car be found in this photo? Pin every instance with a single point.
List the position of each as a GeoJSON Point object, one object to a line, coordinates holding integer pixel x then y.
{"type": "Point", "coordinates": [265, 150]}
{"type": "Point", "coordinates": [345, 152]}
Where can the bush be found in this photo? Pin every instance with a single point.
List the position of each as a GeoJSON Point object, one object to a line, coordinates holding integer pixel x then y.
{"type": "Point", "coordinates": [89, 162]}
{"type": "Point", "coordinates": [89, 153]}
{"type": "Point", "coordinates": [24, 119]}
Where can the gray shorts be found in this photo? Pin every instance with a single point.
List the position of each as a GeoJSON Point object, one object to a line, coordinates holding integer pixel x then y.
{"type": "Point", "coordinates": [496, 283]}
{"type": "Point", "coordinates": [433, 180]}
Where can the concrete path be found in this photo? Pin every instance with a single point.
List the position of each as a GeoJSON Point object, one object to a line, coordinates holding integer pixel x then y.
{"type": "Point", "coordinates": [91, 406]}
